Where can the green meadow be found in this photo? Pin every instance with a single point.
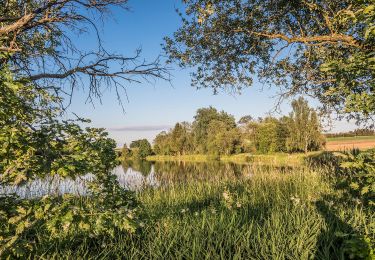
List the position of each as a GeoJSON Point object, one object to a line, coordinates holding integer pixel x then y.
{"type": "Point", "coordinates": [240, 212]}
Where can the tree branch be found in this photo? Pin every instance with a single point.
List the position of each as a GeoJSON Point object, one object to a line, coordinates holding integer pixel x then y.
{"type": "Point", "coordinates": [333, 38]}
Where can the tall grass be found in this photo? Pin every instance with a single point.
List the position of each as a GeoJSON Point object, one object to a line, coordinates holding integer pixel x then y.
{"type": "Point", "coordinates": [278, 159]}
{"type": "Point", "coordinates": [269, 214]}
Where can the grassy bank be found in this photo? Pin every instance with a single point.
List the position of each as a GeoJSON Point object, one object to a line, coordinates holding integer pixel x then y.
{"type": "Point", "coordinates": [277, 159]}
{"type": "Point", "coordinates": [269, 215]}
{"type": "Point", "coordinates": [186, 158]}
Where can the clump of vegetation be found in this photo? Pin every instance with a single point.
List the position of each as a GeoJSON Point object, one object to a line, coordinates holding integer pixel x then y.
{"type": "Point", "coordinates": [293, 213]}
{"type": "Point", "coordinates": [352, 171]}
{"type": "Point", "coordinates": [140, 148]}
{"type": "Point", "coordinates": [217, 134]}
{"type": "Point", "coordinates": [324, 49]}
{"type": "Point", "coordinates": [40, 67]}
{"type": "Point", "coordinates": [354, 133]}
{"type": "Point", "coordinates": [212, 132]}
{"type": "Point", "coordinates": [36, 144]}
{"type": "Point", "coordinates": [304, 129]}
{"type": "Point", "coordinates": [358, 173]}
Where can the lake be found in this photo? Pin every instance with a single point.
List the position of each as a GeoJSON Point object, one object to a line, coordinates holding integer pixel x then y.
{"type": "Point", "coordinates": [138, 175]}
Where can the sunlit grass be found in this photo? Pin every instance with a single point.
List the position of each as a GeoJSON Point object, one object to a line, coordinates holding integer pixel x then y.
{"type": "Point", "coordinates": [187, 158]}
{"type": "Point", "coordinates": [276, 159]}
{"type": "Point", "coordinates": [270, 214]}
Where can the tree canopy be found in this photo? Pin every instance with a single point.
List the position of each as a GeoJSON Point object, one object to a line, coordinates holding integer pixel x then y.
{"type": "Point", "coordinates": [201, 125]}
{"type": "Point", "coordinates": [216, 133]}
{"type": "Point", "coordinates": [37, 42]}
{"type": "Point", "coordinates": [304, 128]}
{"type": "Point", "coordinates": [141, 148]}
{"type": "Point", "coordinates": [321, 48]}
{"type": "Point", "coordinates": [40, 67]}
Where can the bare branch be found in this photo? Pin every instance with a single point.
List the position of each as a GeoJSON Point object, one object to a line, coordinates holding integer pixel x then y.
{"type": "Point", "coordinates": [38, 34]}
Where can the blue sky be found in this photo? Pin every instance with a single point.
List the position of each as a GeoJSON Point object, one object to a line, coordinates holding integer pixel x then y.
{"type": "Point", "coordinates": [150, 108]}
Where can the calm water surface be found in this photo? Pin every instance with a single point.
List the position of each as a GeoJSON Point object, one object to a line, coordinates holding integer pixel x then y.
{"type": "Point", "coordinates": [137, 175]}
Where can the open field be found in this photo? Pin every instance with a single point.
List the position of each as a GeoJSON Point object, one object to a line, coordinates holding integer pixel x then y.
{"type": "Point", "coordinates": [346, 143]}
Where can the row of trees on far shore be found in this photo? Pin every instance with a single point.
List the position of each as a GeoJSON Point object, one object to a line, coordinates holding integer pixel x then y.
{"type": "Point", "coordinates": [354, 133]}
{"type": "Point", "coordinates": [216, 132]}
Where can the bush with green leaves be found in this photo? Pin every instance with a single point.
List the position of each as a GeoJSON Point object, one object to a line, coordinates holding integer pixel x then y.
{"type": "Point", "coordinates": [358, 172]}
{"type": "Point", "coordinates": [352, 171]}
{"type": "Point", "coordinates": [356, 246]}
{"type": "Point", "coordinates": [26, 224]}
{"type": "Point", "coordinates": [35, 143]}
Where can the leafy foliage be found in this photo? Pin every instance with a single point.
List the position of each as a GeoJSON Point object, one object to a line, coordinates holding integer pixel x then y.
{"type": "Point", "coordinates": [222, 139]}
{"type": "Point", "coordinates": [271, 135]}
{"type": "Point", "coordinates": [323, 48]}
{"type": "Point", "coordinates": [304, 128]}
{"type": "Point", "coordinates": [354, 133]}
{"type": "Point", "coordinates": [357, 247]}
{"type": "Point", "coordinates": [201, 125]}
{"type": "Point", "coordinates": [358, 171]}
{"type": "Point", "coordinates": [27, 223]}
{"type": "Point", "coordinates": [35, 144]}
{"type": "Point", "coordinates": [141, 148]}
{"type": "Point", "coordinates": [211, 132]}
{"type": "Point", "coordinates": [178, 141]}
{"type": "Point", "coordinates": [216, 133]}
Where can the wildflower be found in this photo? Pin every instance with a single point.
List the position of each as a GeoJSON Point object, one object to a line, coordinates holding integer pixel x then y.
{"type": "Point", "coordinates": [228, 200]}
{"type": "Point", "coordinates": [311, 199]}
{"type": "Point", "coordinates": [141, 224]}
{"type": "Point", "coordinates": [66, 226]}
{"type": "Point", "coordinates": [238, 205]}
{"type": "Point", "coordinates": [226, 195]}
{"type": "Point", "coordinates": [184, 210]}
{"type": "Point", "coordinates": [130, 215]}
{"type": "Point", "coordinates": [295, 200]}
{"type": "Point", "coordinates": [196, 213]}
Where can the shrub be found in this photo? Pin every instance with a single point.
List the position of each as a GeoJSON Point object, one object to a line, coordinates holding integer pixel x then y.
{"type": "Point", "coordinates": [358, 172]}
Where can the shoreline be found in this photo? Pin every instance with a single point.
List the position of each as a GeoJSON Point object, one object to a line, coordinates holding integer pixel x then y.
{"type": "Point", "coordinates": [280, 159]}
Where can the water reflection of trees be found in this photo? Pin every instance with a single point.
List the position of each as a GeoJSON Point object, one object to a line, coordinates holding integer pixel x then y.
{"type": "Point", "coordinates": [182, 172]}
{"type": "Point", "coordinates": [142, 166]}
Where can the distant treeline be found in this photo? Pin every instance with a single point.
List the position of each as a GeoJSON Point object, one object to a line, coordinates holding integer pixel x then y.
{"type": "Point", "coordinates": [357, 132]}
{"type": "Point", "coordinates": [217, 133]}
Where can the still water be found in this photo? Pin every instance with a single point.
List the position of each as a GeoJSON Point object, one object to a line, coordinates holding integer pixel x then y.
{"type": "Point", "coordinates": [137, 175]}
